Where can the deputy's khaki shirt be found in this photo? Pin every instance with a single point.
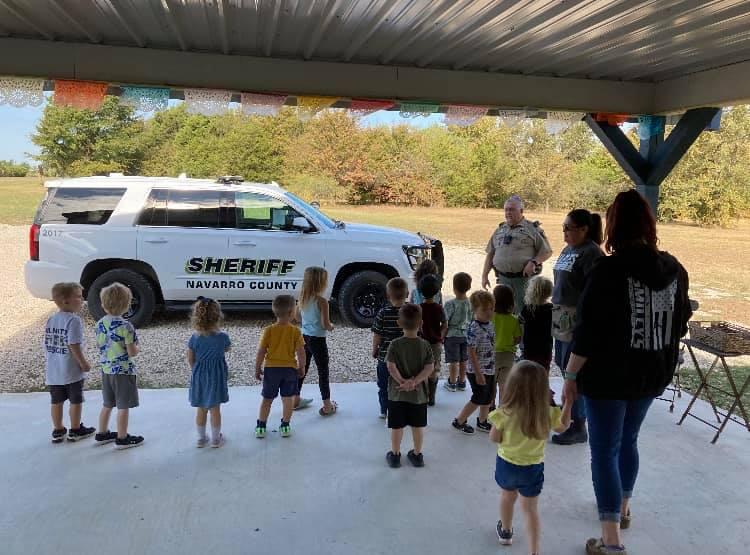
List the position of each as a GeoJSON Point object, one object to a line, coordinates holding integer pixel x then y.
{"type": "Point", "coordinates": [527, 241]}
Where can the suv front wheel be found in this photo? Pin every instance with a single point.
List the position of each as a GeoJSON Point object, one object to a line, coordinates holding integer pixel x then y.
{"type": "Point", "coordinates": [144, 299]}
{"type": "Point", "coordinates": [361, 296]}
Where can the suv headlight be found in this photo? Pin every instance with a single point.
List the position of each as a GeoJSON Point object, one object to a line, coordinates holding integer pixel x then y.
{"type": "Point", "coordinates": [416, 254]}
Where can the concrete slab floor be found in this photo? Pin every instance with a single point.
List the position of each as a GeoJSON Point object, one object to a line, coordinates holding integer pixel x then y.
{"type": "Point", "coordinates": [327, 489]}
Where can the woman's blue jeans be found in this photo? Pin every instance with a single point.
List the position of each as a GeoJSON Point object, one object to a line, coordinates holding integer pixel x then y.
{"type": "Point", "coordinates": [613, 438]}
{"type": "Point", "coordinates": [562, 354]}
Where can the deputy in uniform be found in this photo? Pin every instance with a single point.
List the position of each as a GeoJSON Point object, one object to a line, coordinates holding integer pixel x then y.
{"type": "Point", "coordinates": [515, 251]}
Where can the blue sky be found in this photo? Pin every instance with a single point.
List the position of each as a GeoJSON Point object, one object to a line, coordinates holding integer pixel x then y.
{"type": "Point", "coordinates": [17, 125]}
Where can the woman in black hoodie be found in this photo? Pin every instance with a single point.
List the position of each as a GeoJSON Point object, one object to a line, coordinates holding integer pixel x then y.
{"type": "Point", "coordinates": [630, 318]}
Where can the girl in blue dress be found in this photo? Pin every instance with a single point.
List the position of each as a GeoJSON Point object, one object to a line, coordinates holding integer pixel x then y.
{"type": "Point", "coordinates": [208, 383]}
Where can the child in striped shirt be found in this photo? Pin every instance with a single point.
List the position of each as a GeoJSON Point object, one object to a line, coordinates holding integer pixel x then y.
{"type": "Point", "coordinates": [385, 329]}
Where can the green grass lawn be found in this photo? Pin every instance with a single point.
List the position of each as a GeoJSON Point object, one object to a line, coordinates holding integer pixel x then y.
{"type": "Point", "coordinates": [690, 381]}
{"type": "Point", "coordinates": [19, 197]}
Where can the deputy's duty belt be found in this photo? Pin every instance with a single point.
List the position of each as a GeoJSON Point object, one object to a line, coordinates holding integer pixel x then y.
{"type": "Point", "coordinates": [511, 274]}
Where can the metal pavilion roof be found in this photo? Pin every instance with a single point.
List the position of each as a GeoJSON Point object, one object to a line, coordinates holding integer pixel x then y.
{"type": "Point", "coordinates": [644, 55]}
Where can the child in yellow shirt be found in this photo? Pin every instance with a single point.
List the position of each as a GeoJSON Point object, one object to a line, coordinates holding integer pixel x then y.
{"type": "Point", "coordinates": [280, 362]}
{"type": "Point", "coordinates": [520, 427]}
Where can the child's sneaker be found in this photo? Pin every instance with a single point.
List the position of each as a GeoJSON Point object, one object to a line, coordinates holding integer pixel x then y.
{"type": "Point", "coordinates": [104, 438]}
{"type": "Point", "coordinates": [285, 429]}
{"type": "Point", "coordinates": [59, 435]}
{"type": "Point", "coordinates": [460, 386]}
{"type": "Point", "coordinates": [505, 537]}
{"type": "Point", "coordinates": [465, 428]}
{"type": "Point", "coordinates": [449, 386]}
{"type": "Point", "coordinates": [217, 442]}
{"type": "Point", "coordinates": [383, 415]}
{"type": "Point", "coordinates": [595, 546]}
{"type": "Point", "coordinates": [201, 442]}
{"type": "Point", "coordinates": [393, 460]}
{"type": "Point", "coordinates": [128, 442]}
{"type": "Point", "coordinates": [81, 433]}
{"type": "Point", "coordinates": [414, 459]}
{"type": "Point", "coordinates": [260, 432]}
{"type": "Point", "coordinates": [484, 426]}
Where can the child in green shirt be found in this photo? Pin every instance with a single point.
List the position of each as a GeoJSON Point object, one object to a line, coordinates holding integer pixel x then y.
{"type": "Point", "coordinates": [507, 334]}
{"type": "Point", "coordinates": [410, 364]}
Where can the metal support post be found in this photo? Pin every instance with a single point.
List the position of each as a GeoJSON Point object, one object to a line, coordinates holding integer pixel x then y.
{"type": "Point", "coordinates": [657, 157]}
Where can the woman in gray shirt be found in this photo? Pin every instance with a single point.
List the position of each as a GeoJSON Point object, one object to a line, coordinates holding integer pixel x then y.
{"type": "Point", "coordinates": [582, 232]}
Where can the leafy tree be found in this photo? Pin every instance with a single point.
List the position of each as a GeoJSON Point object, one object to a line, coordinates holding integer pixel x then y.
{"type": "Point", "coordinates": [72, 140]}
{"type": "Point", "coordinates": [711, 184]}
{"type": "Point", "coordinates": [333, 157]}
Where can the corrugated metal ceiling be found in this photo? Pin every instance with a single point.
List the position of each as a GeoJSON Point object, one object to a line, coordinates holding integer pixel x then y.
{"type": "Point", "coordinates": [639, 40]}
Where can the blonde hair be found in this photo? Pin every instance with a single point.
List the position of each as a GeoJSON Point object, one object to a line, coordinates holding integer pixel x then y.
{"type": "Point", "coordinates": [206, 316]}
{"type": "Point", "coordinates": [397, 288]}
{"type": "Point", "coordinates": [115, 299]}
{"type": "Point", "coordinates": [526, 397]}
{"type": "Point", "coordinates": [61, 292]}
{"type": "Point", "coordinates": [282, 305]}
{"type": "Point", "coordinates": [313, 284]}
{"type": "Point", "coordinates": [538, 291]}
{"type": "Point", "coordinates": [481, 299]}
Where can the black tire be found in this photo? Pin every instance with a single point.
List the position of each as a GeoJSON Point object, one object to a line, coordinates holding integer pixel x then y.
{"type": "Point", "coordinates": [144, 299]}
{"type": "Point", "coordinates": [361, 296]}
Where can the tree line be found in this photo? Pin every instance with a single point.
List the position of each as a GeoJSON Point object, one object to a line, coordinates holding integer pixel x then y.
{"type": "Point", "coordinates": [333, 158]}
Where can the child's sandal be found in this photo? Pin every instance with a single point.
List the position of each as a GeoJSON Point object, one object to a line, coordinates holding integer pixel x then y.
{"type": "Point", "coordinates": [329, 412]}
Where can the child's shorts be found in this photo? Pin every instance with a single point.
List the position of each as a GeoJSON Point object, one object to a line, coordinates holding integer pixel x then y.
{"type": "Point", "coordinates": [402, 414]}
{"type": "Point", "coordinates": [481, 394]}
{"type": "Point", "coordinates": [503, 363]}
{"type": "Point", "coordinates": [456, 350]}
{"type": "Point", "coordinates": [527, 480]}
{"type": "Point", "coordinates": [72, 392]}
{"type": "Point", "coordinates": [119, 390]}
{"type": "Point", "coordinates": [283, 381]}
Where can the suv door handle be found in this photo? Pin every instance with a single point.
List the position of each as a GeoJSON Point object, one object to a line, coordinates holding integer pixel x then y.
{"type": "Point", "coordinates": [244, 243]}
{"type": "Point", "coordinates": [156, 241]}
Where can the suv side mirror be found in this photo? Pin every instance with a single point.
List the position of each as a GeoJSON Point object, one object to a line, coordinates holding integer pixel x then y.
{"type": "Point", "coordinates": [300, 223]}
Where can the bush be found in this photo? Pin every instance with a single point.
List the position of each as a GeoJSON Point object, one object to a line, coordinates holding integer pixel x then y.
{"type": "Point", "coordinates": [314, 187]}
{"type": "Point", "coordinates": [8, 168]}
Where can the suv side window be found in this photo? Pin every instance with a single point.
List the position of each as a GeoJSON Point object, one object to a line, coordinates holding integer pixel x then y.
{"type": "Point", "coordinates": [259, 211]}
{"type": "Point", "coordinates": [78, 205]}
{"type": "Point", "coordinates": [181, 208]}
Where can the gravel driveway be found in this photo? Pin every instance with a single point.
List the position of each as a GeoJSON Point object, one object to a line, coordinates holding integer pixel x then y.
{"type": "Point", "coordinates": [162, 359]}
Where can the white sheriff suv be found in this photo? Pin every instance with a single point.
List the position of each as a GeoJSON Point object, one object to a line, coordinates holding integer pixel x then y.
{"type": "Point", "coordinates": [171, 240]}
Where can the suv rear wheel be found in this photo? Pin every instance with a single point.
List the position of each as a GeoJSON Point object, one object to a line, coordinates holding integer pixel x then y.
{"type": "Point", "coordinates": [361, 296]}
{"type": "Point", "coordinates": [144, 299]}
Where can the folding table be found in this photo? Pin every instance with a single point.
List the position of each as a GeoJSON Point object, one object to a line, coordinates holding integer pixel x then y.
{"type": "Point", "coordinates": [721, 417]}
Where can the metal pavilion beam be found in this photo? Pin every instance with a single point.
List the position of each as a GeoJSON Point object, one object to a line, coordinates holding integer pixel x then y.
{"type": "Point", "coordinates": [150, 66]}
{"type": "Point", "coordinates": [657, 157]}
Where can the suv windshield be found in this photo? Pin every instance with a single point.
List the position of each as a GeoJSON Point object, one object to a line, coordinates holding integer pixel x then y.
{"type": "Point", "coordinates": [322, 217]}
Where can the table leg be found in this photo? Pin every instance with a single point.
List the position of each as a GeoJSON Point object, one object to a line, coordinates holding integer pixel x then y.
{"type": "Point", "coordinates": [737, 394]}
{"type": "Point", "coordinates": [703, 385]}
{"type": "Point", "coordinates": [737, 400]}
